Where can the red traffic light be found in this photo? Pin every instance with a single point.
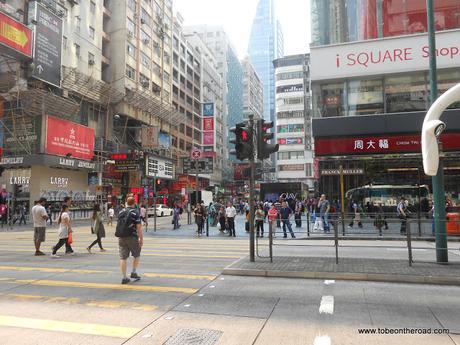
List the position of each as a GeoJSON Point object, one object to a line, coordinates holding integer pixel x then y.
{"type": "Point", "coordinates": [244, 136]}
{"type": "Point", "coordinates": [158, 181]}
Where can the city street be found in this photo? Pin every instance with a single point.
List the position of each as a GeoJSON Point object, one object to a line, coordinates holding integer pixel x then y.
{"type": "Point", "coordinates": [182, 296]}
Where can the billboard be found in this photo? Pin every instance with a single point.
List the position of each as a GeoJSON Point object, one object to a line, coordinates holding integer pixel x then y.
{"type": "Point", "coordinates": [65, 138]}
{"type": "Point", "coordinates": [15, 36]}
{"type": "Point", "coordinates": [48, 43]}
{"type": "Point", "coordinates": [159, 168]}
{"type": "Point", "coordinates": [149, 137]}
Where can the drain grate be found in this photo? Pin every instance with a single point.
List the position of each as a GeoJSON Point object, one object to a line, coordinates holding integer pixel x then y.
{"type": "Point", "coordinates": [194, 337]}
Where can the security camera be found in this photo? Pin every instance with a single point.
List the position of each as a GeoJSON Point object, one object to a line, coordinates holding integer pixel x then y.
{"type": "Point", "coordinates": [430, 133]}
{"type": "Point", "coordinates": [116, 117]}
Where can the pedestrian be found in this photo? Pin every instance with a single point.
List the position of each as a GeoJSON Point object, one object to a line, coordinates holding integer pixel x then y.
{"type": "Point", "coordinates": [110, 213]}
{"type": "Point", "coordinates": [285, 214]}
{"type": "Point", "coordinates": [199, 214]}
{"type": "Point", "coordinates": [318, 221]}
{"type": "Point", "coordinates": [402, 214]}
{"type": "Point", "coordinates": [221, 216]}
{"type": "Point", "coordinates": [356, 216]}
{"type": "Point", "coordinates": [379, 221]}
{"type": "Point", "coordinates": [97, 228]}
{"type": "Point", "coordinates": [130, 238]}
{"type": "Point", "coordinates": [39, 217]}
{"type": "Point", "coordinates": [3, 214]}
{"type": "Point", "coordinates": [50, 216]}
{"type": "Point", "coordinates": [259, 219]}
{"type": "Point", "coordinates": [298, 214]}
{"type": "Point", "coordinates": [211, 213]}
{"type": "Point", "coordinates": [278, 208]}
{"type": "Point", "coordinates": [143, 214]}
{"type": "Point", "coordinates": [64, 233]}
{"type": "Point", "coordinates": [176, 216]}
{"type": "Point", "coordinates": [324, 206]}
{"type": "Point", "coordinates": [22, 214]}
{"type": "Point", "coordinates": [230, 214]}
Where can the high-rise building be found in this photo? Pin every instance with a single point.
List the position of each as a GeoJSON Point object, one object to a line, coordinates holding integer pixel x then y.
{"type": "Point", "coordinates": [265, 45]}
{"type": "Point", "coordinates": [252, 91]}
{"type": "Point", "coordinates": [370, 92]}
{"type": "Point", "coordinates": [231, 72]}
{"type": "Point", "coordinates": [293, 120]}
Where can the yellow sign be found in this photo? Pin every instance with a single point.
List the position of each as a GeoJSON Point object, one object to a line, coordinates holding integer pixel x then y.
{"type": "Point", "coordinates": [13, 34]}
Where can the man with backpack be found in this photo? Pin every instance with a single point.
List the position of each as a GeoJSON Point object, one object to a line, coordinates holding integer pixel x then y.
{"type": "Point", "coordinates": [130, 238]}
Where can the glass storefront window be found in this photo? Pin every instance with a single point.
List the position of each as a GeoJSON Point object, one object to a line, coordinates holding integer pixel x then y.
{"type": "Point", "coordinates": [329, 99]}
{"type": "Point", "coordinates": [406, 93]}
{"type": "Point", "coordinates": [365, 97]}
{"type": "Point", "coordinates": [447, 79]}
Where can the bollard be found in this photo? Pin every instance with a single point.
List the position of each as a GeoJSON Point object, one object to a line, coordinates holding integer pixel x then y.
{"type": "Point", "coordinates": [207, 226]}
{"type": "Point", "coordinates": [270, 240]}
{"type": "Point", "coordinates": [308, 223]}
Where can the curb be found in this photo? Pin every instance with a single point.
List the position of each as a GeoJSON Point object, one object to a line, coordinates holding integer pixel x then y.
{"type": "Point", "coordinates": [376, 277]}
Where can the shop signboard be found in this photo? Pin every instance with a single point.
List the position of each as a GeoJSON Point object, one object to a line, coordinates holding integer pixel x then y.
{"type": "Point", "coordinates": [204, 165]}
{"type": "Point", "coordinates": [384, 144]}
{"type": "Point", "coordinates": [65, 138]}
{"type": "Point", "coordinates": [48, 43]}
{"type": "Point", "coordinates": [15, 37]}
{"type": "Point", "coordinates": [333, 172]}
{"type": "Point", "coordinates": [149, 137]}
{"type": "Point", "coordinates": [156, 167]}
{"type": "Point", "coordinates": [126, 165]}
{"type": "Point", "coordinates": [208, 138]}
{"type": "Point", "coordinates": [208, 124]}
{"type": "Point", "coordinates": [383, 56]}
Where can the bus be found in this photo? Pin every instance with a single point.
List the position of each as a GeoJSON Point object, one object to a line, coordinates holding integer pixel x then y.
{"type": "Point", "coordinates": [389, 196]}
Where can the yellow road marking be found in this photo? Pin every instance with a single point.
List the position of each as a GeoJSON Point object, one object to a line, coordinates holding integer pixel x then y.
{"type": "Point", "coordinates": [178, 276]}
{"type": "Point", "coordinates": [62, 283]}
{"type": "Point", "coordinates": [110, 304]}
{"type": "Point", "coordinates": [69, 327]}
{"type": "Point", "coordinates": [50, 269]}
{"type": "Point", "coordinates": [62, 270]}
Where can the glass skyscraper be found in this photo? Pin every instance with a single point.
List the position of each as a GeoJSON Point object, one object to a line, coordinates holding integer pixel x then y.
{"type": "Point", "coordinates": [265, 45]}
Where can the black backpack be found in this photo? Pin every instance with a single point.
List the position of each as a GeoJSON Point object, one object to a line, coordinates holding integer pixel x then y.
{"type": "Point", "coordinates": [124, 223]}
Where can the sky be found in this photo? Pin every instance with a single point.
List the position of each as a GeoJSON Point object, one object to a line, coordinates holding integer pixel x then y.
{"type": "Point", "coordinates": [236, 17]}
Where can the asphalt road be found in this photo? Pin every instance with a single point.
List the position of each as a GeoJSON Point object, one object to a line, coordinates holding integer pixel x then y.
{"type": "Point", "coordinates": [183, 299]}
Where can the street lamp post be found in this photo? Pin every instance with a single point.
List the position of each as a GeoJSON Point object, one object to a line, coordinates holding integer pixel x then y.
{"type": "Point", "coordinates": [437, 180]}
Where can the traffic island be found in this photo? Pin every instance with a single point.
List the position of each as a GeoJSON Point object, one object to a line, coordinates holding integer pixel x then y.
{"type": "Point", "coordinates": [380, 270]}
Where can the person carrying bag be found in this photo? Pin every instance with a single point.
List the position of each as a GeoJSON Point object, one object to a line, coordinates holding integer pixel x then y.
{"type": "Point", "coordinates": [97, 228]}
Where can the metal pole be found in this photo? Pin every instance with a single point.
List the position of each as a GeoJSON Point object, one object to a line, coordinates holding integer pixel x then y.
{"type": "Point", "coordinates": [438, 180]}
{"type": "Point", "coordinates": [270, 239]}
{"type": "Point", "coordinates": [155, 204]}
{"type": "Point", "coordinates": [419, 211]}
{"type": "Point", "coordinates": [409, 243]}
{"type": "Point", "coordinates": [251, 200]}
{"type": "Point", "coordinates": [342, 199]}
{"type": "Point", "coordinates": [196, 183]}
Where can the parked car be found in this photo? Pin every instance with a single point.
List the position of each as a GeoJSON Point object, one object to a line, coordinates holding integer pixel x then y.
{"type": "Point", "coordinates": [162, 210]}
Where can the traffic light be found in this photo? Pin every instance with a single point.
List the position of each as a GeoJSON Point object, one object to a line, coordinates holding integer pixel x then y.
{"type": "Point", "coordinates": [244, 141]}
{"type": "Point", "coordinates": [264, 149]}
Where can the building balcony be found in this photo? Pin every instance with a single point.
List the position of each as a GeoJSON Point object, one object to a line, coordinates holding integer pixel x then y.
{"type": "Point", "coordinates": [106, 37]}
{"type": "Point", "coordinates": [106, 12]}
{"type": "Point", "coordinates": [105, 60]}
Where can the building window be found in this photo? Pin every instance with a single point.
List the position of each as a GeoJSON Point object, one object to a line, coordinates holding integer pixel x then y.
{"type": "Point", "coordinates": [309, 170]}
{"type": "Point", "coordinates": [77, 24]}
{"type": "Point", "coordinates": [132, 4]}
{"type": "Point", "coordinates": [92, 7]}
{"type": "Point", "coordinates": [90, 59]}
{"type": "Point", "coordinates": [156, 69]}
{"type": "Point", "coordinates": [130, 72]}
{"type": "Point", "coordinates": [365, 97]}
{"type": "Point", "coordinates": [145, 82]}
{"type": "Point", "coordinates": [77, 51]}
{"type": "Point", "coordinates": [145, 60]}
{"type": "Point", "coordinates": [91, 32]}
{"type": "Point", "coordinates": [145, 17]}
{"type": "Point", "coordinates": [145, 37]}
{"type": "Point", "coordinates": [406, 93]}
{"type": "Point", "coordinates": [131, 50]}
{"type": "Point", "coordinates": [131, 27]}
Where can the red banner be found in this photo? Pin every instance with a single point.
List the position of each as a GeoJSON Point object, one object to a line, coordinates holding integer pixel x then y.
{"type": "Point", "coordinates": [384, 144]}
{"type": "Point", "coordinates": [65, 138]}
{"type": "Point", "coordinates": [208, 124]}
{"type": "Point", "coordinates": [15, 35]}
{"type": "Point", "coordinates": [208, 138]}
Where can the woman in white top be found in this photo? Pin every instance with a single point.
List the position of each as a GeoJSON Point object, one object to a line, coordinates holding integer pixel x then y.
{"type": "Point", "coordinates": [64, 231]}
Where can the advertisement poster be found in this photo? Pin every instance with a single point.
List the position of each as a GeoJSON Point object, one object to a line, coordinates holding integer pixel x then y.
{"type": "Point", "coordinates": [208, 138]}
{"type": "Point", "coordinates": [65, 138]}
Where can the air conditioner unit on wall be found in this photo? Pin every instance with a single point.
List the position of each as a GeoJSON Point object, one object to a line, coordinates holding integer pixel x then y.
{"type": "Point", "coordinates": [91, 62]}
{"type": "Point", "coordinates": [146, 41]}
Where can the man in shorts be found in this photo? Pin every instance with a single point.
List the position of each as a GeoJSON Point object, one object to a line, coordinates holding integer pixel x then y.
{"type": "Point", "coordinates": [40, 217]}
{"type": "Point", "coordinates": [131, 243]}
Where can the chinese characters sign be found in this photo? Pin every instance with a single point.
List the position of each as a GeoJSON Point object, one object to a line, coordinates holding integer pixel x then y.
{"type": "Point", "coordinates": [208, 124]}
{"type": "Point", "coordinates": [68, 138]}
{"type": "Point", "coordinates": [380, 145]}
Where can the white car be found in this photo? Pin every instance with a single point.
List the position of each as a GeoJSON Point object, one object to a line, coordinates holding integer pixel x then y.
{"type": "Point", "coordinates": [162, 210]}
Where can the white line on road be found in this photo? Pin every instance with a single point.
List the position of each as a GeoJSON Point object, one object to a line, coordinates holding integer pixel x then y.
{"type": "Point", "coordinates": [327, 305]}
{"type": "Point", "coordinates": [322, 340]}
{"type": "Point", "coordinates": [329, 282]}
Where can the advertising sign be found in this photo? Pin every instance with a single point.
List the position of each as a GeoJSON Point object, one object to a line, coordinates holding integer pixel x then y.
{"type": "Point", "coordinates": [208, 138]}
{"type": "Point", "coordinates": [127, 165]}
{"type": "Point", "coordinates": [383, 56]}
{"type": "Point", "coordinates": [158, 168]}
{"type": "Point", "coordinates": [208, 124]}
{"type": "Point", "coordinates": [165, 140]}
{"type": "Point", "coordinates": [384, 144]}
{"type": "Point", "coordinates": [65, 138]}
{"type": "Point", "coordinates": [208, 109]}
{"type": "Point", "coordinates": [204, 166]}
{"type": "Point", "coordinates": [15, 36]}
{"type": "Point", "coordinates": [48, 43]}
{"type": "Point", "coordinates": [149, 137]}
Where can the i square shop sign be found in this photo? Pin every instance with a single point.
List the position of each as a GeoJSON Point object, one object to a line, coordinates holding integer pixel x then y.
{"type": "Point", "coordinates": [384, 56]}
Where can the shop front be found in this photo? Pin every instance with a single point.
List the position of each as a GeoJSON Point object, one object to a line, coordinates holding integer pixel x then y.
{"type": "Point", "coordinates": [381, 157]}
{"type": "Point", "coordinates": [28, 178]}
